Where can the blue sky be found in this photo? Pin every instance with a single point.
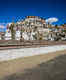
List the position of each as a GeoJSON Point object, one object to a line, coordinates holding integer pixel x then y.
{"type": "Point", "coordinates": [16, 9]}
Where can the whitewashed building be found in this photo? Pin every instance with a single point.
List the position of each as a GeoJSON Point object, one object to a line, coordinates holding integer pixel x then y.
{"type": "Point", "coordinates": [31, 25]}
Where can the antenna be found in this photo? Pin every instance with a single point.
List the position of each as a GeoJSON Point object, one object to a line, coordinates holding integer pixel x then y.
{"type": "Point", "coordinates": [13, 19]}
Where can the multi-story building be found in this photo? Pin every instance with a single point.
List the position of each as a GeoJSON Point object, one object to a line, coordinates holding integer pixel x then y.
{"type": "Point", "coordinates": [2, 35]}
{"type": "Point", "coordinates": [64, 26]}
{"type": "Point", "coordinates": [34, 27]}
{"type": "Point", "coordinates": [34, 24]}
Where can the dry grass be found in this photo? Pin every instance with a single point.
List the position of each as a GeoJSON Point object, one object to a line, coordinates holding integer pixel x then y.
{"type": "Point", "coordinates": [19, 65]}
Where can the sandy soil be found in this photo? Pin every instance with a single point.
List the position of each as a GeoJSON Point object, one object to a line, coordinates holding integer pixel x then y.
{"type": "Point", "coordinates": [42, 67]}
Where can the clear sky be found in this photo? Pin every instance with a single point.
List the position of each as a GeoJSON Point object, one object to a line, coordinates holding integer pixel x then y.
{"type": "Point", "coordinates": [16, 9]}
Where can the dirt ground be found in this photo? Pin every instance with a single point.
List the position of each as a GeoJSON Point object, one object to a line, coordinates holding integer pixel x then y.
{"type": "Point", "coordinates": [50, 66]}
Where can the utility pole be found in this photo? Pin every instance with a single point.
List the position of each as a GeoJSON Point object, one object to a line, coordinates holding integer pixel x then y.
{"type": "Point", "coordinates": [21, 33]}
{"type": "Point", "coordinates": [29, 30]}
